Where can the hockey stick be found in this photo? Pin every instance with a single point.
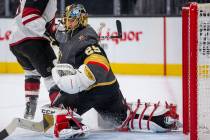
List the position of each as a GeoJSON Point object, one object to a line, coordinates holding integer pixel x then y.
{"type": "Point", "coordinates": [119, 31]}
{"type": "Point", "coordinates": [25, 124]}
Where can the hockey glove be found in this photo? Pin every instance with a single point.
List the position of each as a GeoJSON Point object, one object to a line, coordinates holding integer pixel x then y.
{"type": "Point", "coordinates": [72, 80]}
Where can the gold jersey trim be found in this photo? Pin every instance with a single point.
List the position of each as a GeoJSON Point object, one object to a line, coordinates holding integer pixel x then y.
{"type": "Point", "coordinates": [102, 84]}
{"type": "Point", "coordinates": [98, 59]}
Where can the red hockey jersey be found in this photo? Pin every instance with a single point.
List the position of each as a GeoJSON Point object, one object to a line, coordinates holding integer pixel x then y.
{"type": "Point", "coordinates": [31, 19]}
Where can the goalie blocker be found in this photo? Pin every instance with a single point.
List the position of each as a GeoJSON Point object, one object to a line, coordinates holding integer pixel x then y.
{"type": "Point", "coordinates": [63, 123]}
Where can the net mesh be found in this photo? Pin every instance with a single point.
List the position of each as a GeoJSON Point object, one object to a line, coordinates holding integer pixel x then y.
{"type": "Point", "coordinates": [204, 68]}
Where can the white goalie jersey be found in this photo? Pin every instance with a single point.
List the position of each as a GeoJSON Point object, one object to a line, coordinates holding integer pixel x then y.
{"type": "Point", "coordinates": [31, 19]}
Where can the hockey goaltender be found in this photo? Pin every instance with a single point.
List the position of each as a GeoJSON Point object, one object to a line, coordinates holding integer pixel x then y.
{"type": "Point", "coordinates": [86, 80]}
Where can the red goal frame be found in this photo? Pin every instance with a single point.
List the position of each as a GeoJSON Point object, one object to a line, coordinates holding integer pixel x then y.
{"type": "Point", "coordinates": [189, 62]}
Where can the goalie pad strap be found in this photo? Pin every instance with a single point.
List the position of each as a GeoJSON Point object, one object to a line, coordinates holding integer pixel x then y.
{"type": "Point", "coordinates": [74, 119]}
{"type": "Point", "coordinates": [134, 113]}
{"type": "Point", "coordinates": [142, 115]}
{"type": "Point", "coordinates": [150, 117]}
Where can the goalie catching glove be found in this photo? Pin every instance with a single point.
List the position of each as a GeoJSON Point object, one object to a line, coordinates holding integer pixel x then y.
{"type": "Point", "coordinates": [72, 80]}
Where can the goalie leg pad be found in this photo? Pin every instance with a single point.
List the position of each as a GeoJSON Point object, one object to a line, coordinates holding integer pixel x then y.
{"type": "Point", "coordinates": [151, 117]}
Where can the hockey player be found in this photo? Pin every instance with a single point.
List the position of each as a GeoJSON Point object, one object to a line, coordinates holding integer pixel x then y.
{"type": "Point", "coordinates": [94, 85]}
{"type": "Point", "coordinates": [32, 49]}
{"type": "Point", "coordinates": [86, 79]}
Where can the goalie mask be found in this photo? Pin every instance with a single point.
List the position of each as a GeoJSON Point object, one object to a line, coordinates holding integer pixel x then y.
{"type": "Point", "coordinates": [75, 16]}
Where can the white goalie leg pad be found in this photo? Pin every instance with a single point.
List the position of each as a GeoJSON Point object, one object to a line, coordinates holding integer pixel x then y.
{"type": "Point", "coordinates": [65, 123]}
{"type": "Point", "coordinates": [72, 81]}
{"type": "Point", "coordinates": [144, 126]}
{"type": "Point", "coordinates": [151, 117]}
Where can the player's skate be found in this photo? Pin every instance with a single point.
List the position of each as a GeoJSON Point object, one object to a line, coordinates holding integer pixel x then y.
{"type": "Point", "coordinates": [67, 124]}
{"type": "Point", "coordinates": [151, 117]}
{"type": "Point", "coordinates": [31, 103]}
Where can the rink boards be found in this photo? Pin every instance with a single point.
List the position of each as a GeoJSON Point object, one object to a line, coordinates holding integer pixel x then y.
{"type": "Point", "coordinates": [149, 45]}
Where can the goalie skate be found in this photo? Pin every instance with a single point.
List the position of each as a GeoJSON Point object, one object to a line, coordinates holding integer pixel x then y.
{"type": "Point", "coordinates": [67, 124]}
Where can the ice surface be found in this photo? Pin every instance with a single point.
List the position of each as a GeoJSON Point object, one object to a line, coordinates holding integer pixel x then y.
{"type": "Point", "coordinates": [107, 136]}
{"type": "Point", "coordinates": [146, 88]}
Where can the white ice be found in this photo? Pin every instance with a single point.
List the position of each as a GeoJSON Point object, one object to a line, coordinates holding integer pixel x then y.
{"type": "Point", "coordinates": [146, 88]}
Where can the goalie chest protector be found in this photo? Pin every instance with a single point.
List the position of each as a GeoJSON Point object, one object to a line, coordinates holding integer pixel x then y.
{"type": "Point", "coordinates": [75, 45]}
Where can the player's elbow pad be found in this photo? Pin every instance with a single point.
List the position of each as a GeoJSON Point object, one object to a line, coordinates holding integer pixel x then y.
{"type": "Point", "coordinates": [78, 82]}
{"type": "Point", "coordinates": [36, 26]}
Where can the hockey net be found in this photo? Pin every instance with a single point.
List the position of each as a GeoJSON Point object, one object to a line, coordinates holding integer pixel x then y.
{"type": "Point", "coordinates": [196, 70]}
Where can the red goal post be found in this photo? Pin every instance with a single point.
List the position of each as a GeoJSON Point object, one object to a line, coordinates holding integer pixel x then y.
{"type": "Point", "coordinates": [196, 70]}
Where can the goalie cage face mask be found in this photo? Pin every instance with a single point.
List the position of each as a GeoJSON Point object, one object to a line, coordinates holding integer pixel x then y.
{"type": "Point", "coordinates": [75, 16]}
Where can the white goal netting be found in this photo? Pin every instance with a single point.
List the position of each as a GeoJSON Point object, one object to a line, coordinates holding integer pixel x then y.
{"type": "Point", "coordinates": [203, 69]}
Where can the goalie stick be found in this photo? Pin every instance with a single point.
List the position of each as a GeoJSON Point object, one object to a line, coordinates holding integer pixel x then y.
{"type": "Point", "coordinates": [25, 124]}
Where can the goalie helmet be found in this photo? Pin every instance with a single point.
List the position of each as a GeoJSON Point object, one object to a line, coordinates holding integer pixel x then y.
{"type": "Point", "coordinates": [75, 16]}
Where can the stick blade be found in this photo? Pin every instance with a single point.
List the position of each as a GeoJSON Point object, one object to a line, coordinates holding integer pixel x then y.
{"type": "Point", "coordinates": [3, 134]}
{"type": "Point", "coordinates": [119, 28]}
